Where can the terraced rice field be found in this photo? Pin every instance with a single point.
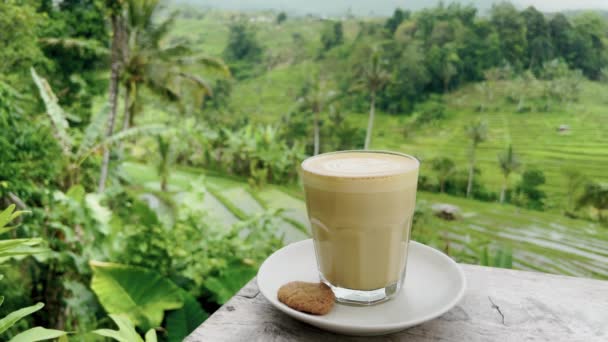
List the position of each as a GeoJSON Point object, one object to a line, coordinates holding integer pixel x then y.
{"type": "Point", "coordinates": [533, 134]}
{"type": "Point", "coordinates": [540, 241]}
{"type": "Point", "coordinates": [228, 201]}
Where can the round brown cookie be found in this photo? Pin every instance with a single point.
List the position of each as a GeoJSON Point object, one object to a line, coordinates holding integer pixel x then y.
{"type": "Point", "coordinates": [313, 298]}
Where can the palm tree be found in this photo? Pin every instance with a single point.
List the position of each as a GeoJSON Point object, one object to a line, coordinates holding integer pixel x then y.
{"type": "Point", "coordinates": [595, 195]}
{"type": "Point", "coordinates": [373, 76]}
{"type": "Point", "coordinates": [117, 51]}
{"type": "Point", "coordinates": [508, 162]}
{"type": "Point", "coordinates": [444, 167]}
{"type": "Point", "coordinates": [315, 97]}
{"type": "Point", "coordinates": [160, 67]}
{"type": "Point", "coordinates": [477, 132]}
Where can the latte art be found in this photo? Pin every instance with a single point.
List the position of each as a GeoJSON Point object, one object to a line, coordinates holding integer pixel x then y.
{"type": "Point", "coordinates": [359, 164]}
{"type": "Point", "coordinates": [368, 166]}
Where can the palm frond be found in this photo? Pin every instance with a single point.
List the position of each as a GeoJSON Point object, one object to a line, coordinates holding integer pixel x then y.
{"type": "Point", "coordinates": [140, 12]}
{"type": "Point", "coordinates": [162, 29]}
{"type": "Point", "coordinates": [161, 85]}
{"type": "Point", "coordinates": [55, 112]}
{"type": "Point", "coordinates": [122, 135]}
{"type": "Point", "coordinates": [173, 51]}
{"type": "Point", "coordinates": [93, 131]}
{"type": "Point", "coordinates": [129, 133]}
{"type": "Point", "coordinates": [76, 43]}
{"type": "Point", "coordinates": [202, 83]}
{"type": "Point", "coordinates": [211, 63]}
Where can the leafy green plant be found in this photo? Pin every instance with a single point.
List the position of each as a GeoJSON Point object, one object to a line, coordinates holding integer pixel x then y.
{"type": "Point", "coordinates": [21, 247]}
{"type": "Point", "coordinates": [27, 149]}
{"type": "Point", "coordinates": [181, 322]}
{"type": "Point", "coordinates": [477, 132]}
{"type": "Point", "coordinates": [138, 293]}
{"type": "Point", "coordinates": [502, 258]}
{"type": "Point", "coordinates": [595, 195]}
{"type": "Point", "coordinates": [528, 192]}
{"type": "Point", "coordinates": [16, 247]}
{"type": "Point", "coordinates": [429, 112]}
{"type": "Point", "coordinates": [126, 331]}
{"type": "Point", "coordinates": [508, 162]}
{"type": "Point", "coordinates": [76, 151]}
{"type": "Point", "coordinates": [444, 167]}
{"type": "Point", "coordinates": [257, 152]}
{"type": "Point", "coordinates": [166, 157]}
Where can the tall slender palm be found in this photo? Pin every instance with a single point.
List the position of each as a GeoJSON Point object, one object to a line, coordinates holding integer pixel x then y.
{"type": "Point", "coordinates": [117, 50]}
{"type": "Point", "coordinates": [444, 167]}
{"type": "Point", "coordinates": [508, 162]}
{"type": "Point", "coordinates": [165, 153]}
{"type": "Point", "coordinates": [374, 76]}
{"type": "Point", "coordinates": [477, 132]}
{"type": "Point", "coordinates": [162, 68]}
{"type": "Point", "coordinates": [315, 97]}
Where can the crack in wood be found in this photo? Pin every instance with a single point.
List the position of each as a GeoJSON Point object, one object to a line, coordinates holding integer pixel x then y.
{"type": "Point", "coordinates": [249, 295]}
{"type": "Point", "coordinates": [494, 306]}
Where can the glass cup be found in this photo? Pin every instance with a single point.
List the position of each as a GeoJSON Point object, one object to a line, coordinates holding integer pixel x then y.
{"type": "Point", "coordinates": [360, 205]}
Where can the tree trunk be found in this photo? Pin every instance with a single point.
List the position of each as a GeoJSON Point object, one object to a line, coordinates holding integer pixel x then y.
{"type": "Point", "coordinates": [442, 185]}
{"type": "Point", "coordinates": [112, 98]}
{"type": "Point", "coordinates": [126, 120]}
{"type": "Point", "coordinates": [126, 115]}
{"type": "Point", "coordinates": [370, 122]}
{"type": "Point", "coordinates": [163, 183]}
{"type": "Point", "coordinates": [504, 190]}
{"type": "Point", "coordinates": [471, 172]}
{"type": "Point", "coordinates": [520, 105]}
{"type": "Point", "coordinates": [316, 132]}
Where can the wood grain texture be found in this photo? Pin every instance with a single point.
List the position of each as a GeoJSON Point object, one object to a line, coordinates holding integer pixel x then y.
{"type": "Point", "coordinates": [499, 305]}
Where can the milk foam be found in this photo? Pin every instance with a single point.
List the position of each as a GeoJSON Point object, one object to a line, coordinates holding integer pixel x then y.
{"type": "Point", "coordinates": [359, 164]}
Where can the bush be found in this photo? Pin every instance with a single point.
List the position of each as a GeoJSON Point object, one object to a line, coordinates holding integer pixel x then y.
{"type": "Point", "coordinates": [527, 193]}
{"type": "Point", "coordinates": [281, 17]}
{"type": "Point", "coordinates": [243, 52]}
{"type": "Point", "coordinates": [27, 149]}
{"type": "Point", "coordinates": [431, 111]}
{"type": "Point", "coordinates": [331, 36]}
{"type": "Point", "coordinates": [457, 185]}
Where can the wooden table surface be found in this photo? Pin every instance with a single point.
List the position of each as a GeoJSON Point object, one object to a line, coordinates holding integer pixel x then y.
{"type": "Point", "coordinates": [499, 305]}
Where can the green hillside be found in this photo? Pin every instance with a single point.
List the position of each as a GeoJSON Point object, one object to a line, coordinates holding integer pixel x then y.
{"type": "Point", "coordinates": [534, 135]}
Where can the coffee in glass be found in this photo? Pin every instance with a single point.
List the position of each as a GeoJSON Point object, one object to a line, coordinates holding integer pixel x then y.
{"type": "Point", "coordinates": [360, 205]}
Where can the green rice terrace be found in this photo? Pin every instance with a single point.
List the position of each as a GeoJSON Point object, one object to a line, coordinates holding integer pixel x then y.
{"type": "Point", "coordinates": [540, 241]}
{"type": "Point", "coordinates": [534, 134]}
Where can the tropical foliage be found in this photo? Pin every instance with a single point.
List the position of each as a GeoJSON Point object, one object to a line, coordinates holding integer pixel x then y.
{"type": "Point", "coordinates": [92, 90]}
{"type": "Point", "coordinates": [11, 248]}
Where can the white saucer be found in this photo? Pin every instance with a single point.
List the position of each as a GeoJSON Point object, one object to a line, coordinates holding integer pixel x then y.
{"type": "Point", "coordinates": [434, 284]}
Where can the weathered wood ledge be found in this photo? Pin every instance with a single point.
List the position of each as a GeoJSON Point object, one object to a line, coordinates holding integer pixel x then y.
{"type": "Point", "coordinates": [499, 305]}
